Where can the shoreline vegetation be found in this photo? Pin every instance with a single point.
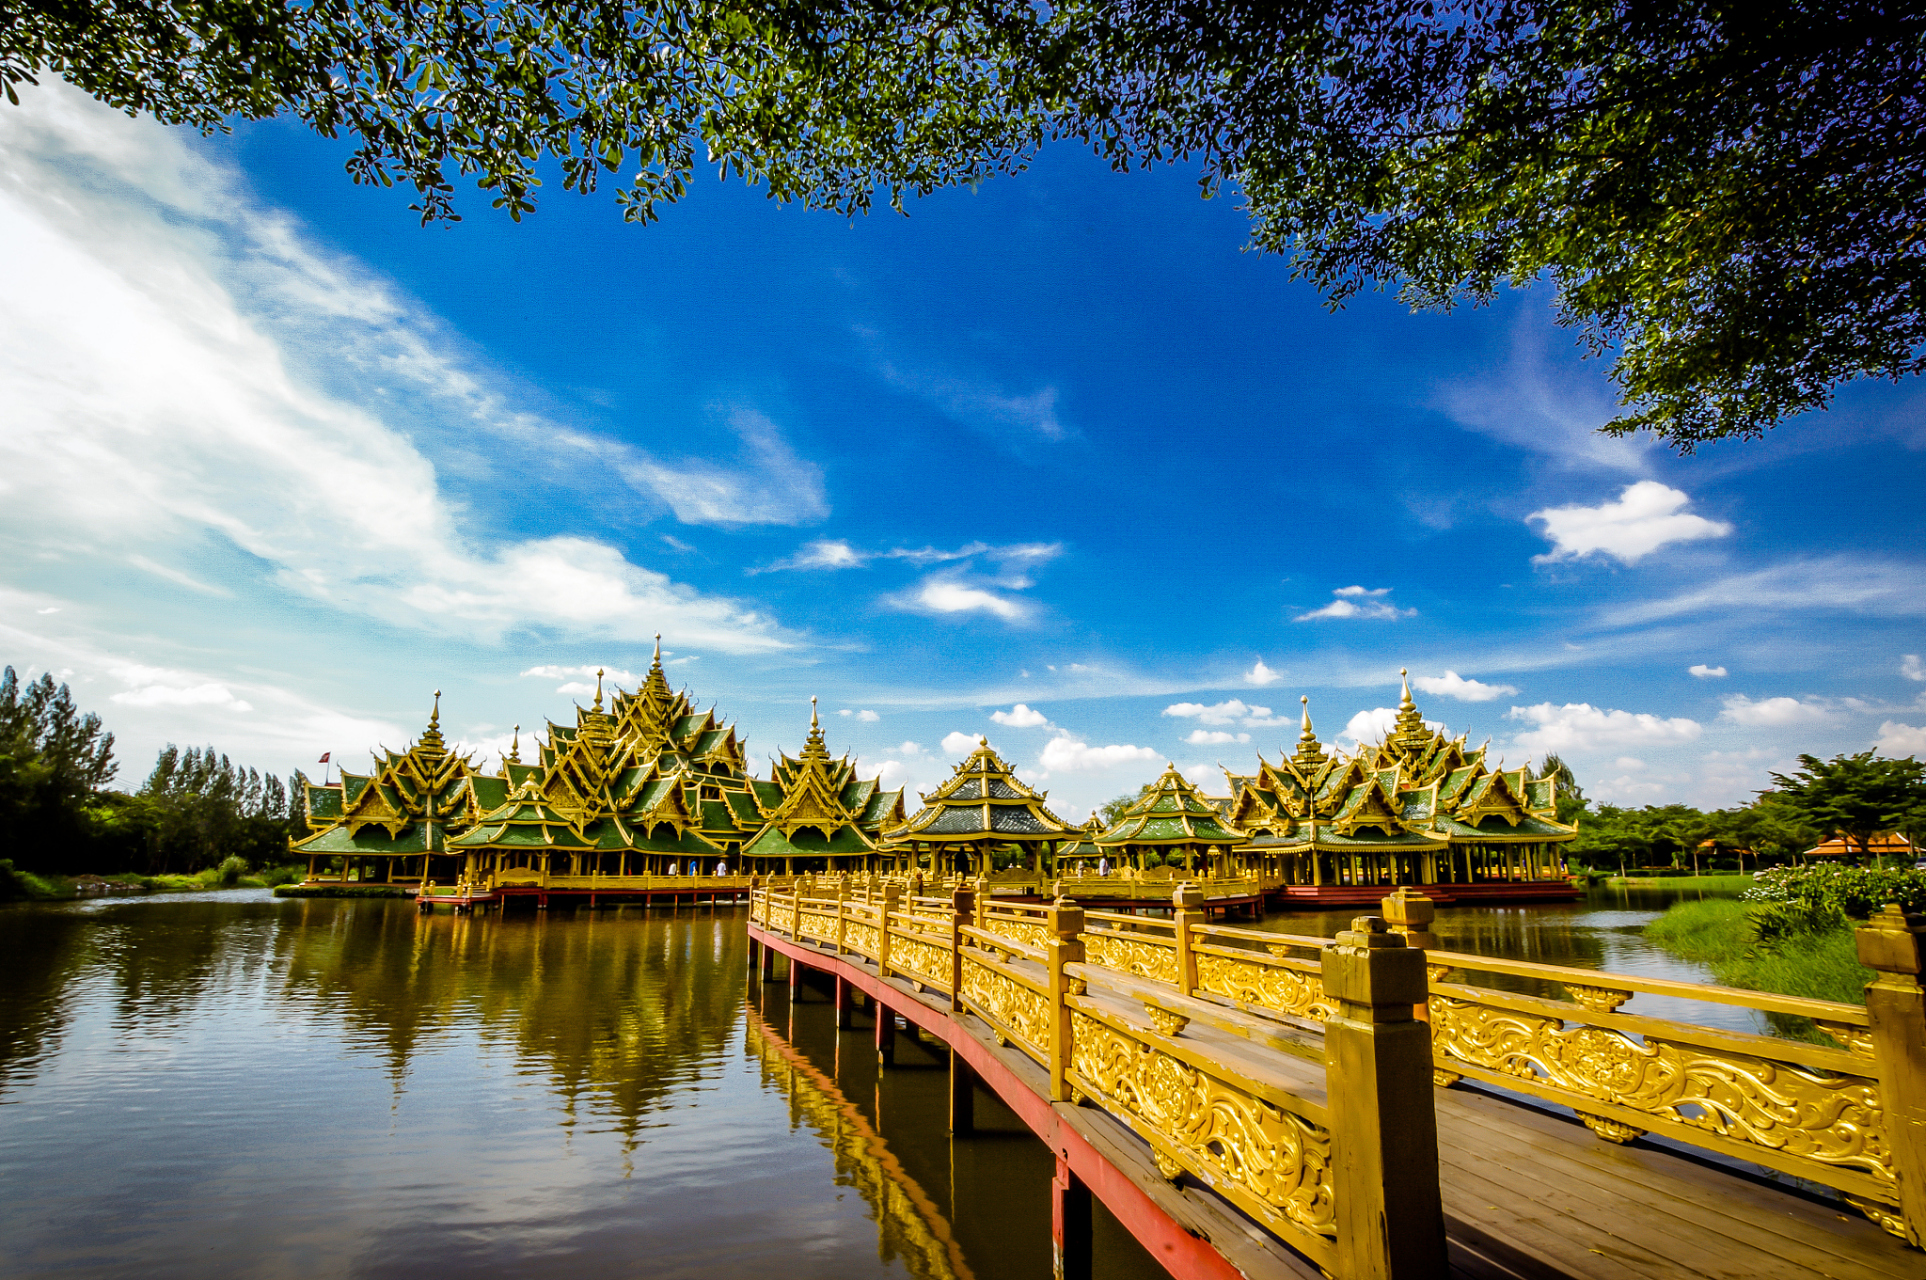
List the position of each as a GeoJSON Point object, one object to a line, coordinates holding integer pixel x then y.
{"type": "Point", "coordinates": [1790, 933]}
{"type": "Point", "coordinates": [27, 886]}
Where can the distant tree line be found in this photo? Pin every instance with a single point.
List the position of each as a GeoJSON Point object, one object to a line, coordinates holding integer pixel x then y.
{"type": "Point", "coordinates": [60, 816]}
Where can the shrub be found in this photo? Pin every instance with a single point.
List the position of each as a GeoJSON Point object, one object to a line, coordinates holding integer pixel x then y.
{"type": "Point", "coordinates": [1813, 895]}
{"type": "Point", "coordinates": [229, 873]}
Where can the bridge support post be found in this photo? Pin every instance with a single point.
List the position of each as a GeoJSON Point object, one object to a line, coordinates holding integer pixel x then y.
{"type": "Point", "coordinates": [1384, 1126]}
{"type": "Point", "coordinates": [1070, 1233]}
{"type": "Point", "coordinates": [795, 979]}
{"type": "Point", "coordinates": [962, 1095]}
{"type": "Point", "coordinates": [844, 1003]}
{"type": "Point", "coordinates": [1065, 925]}
{"type": "Point", "coordinates": [767, 962]}
{"type": "Point", "coordinates": [885, 1035]}
{"type": "Point", "coordinates": [1890, 943]}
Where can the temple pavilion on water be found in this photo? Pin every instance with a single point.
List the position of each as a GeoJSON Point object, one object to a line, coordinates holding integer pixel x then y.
{"type": "Point", "coordinates": [652, 787]}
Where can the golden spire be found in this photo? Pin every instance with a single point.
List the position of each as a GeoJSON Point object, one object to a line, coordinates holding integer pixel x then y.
{"type": "Point", "coordinates": [431, 742]}
{"type": "Point", "coordinates": [598, 688]}
{"type": "Point", "coordinates": [1310, 753]}
{"type": "Point", "coordinates": [434, 717]}
{"type": "Point", "coordinates": [1307, 735]}
{"type": "Point", "coordinates": [815, 747]}
{"type": "Point", "coordinates": [515, 747]}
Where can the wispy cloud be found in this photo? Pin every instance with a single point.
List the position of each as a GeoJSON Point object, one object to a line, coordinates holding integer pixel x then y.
{"type": "Point", "coordinates": [1359, 602]}
{"type": "Point", "coordinates": [766, 483]}
{"type": "Point", "coordinates": [1833, 584]}
{"type": "Point", "coordinates": [1554, 414]}
{"type": "Point", "coordinates": [1910, 667]}
{"type": "Point", "coordinates": [1068, 753]}
{"type": "Point", "coordinates": [1644, 517]}
{"type": "Point", "coordinates": [165, 344]}
{"type": "Point", "coordinates": [1740, 709]}
{"type": "Point", "coordinates": [1703, 672]}
{"type": "Point", "coordinates": [980, 405]}
{"type": "Point", "coordinates": [1020, 717]}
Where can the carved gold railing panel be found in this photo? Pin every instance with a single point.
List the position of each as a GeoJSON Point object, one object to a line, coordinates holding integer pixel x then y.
{"type": "Point", "coordinates": [1824, 1119]}
{"type": "Point", "coordinates": [1017, 1011]}
{"type": "Point", "coordinates": [1143, 955]}
{"type": "Point", "coordinates": [1279, 985]}
{"type": "Point", "coordinates": [1272, 1162]}
{"type": "Point", "coordinates": [782, 918]}
{"type": "Point", "coordinates": [1017, 928]}
{"type": "Point", "coordinates": [818, 925]}
{"type": "Point", "coordinates": [862, 937]}
{"type": "Point", "coordinates": [914, 957]}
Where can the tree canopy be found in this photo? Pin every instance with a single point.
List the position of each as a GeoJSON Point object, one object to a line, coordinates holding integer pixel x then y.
{"type": "Point", "coordinates": [1723, 194]}
{"type": "Point", "coordinates": [1858, 796]}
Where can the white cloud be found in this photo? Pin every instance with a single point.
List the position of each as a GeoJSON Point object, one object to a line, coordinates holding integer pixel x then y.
{"type": "Point", "coordinates": [1841, 584]}
{"type": "Point", "coordinates": [1229, 712]}
{"type": "Point", "coordinates": [157, 688]}
{"type": "Point", "coordinates": [1579, 726]}
{"type": "Point", "coordinates": [1453, 685]}
{"type": "Point", "coordinates": [1010, 556]}
{"type": "Point", "coordinates": [1377, 723]}
{"type": "Point", "coordinates": [1211, 737]}
{"type": "Point", "coordinates": [1910, 667]}
{"type": "Point", "coordinates": [1207, 778]}
{"type": "Point", "coordinates": [581, 678]}
{"type": "Point", "coordinates": [766, 483]}
{"type": "Point", "coordinates": [1020, 717]}
{"type": "Point", "coordinates": [1631, 764]}
{"type": "Point", "coordinates": [916, 748]}
{"type": "Point", "coordinates": [1261, 675]}
{"type": "Point", "coordinates": [1896, 740]}
{"type": "Point", "coordinates": [1554, 412]}
{"type": "Point", "coordinates": [1359, 602]}
{"type": "Point", "coordinates": [1740, 709]}
{"type": "Point", "coordinates": [979, 405]}
{"type": "Point", "coordinates": [825, 553]}
{"type": "Point", "coordinates": [868, 717]}
{"type": "Point", "coordinates": [1704, 672]}
{"type": "Point", "coordinates": [944, 595]}
{"type": "Point", "coordinates": [1065, 754]}
{"type": "Point", "coordinates": [181, 369]}
{"type": "Point", "coordinates": [1645, 517]}
{"type": "Point", "coordinates": [959, 743]}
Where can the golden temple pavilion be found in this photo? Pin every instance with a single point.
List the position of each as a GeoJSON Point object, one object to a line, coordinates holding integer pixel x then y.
{"type": "Point", "coordinates": [980, 812]}
{"type": "Point", "coordinates": [648, 787]}
{"type": "Point", "coordinates": [1416, 809]}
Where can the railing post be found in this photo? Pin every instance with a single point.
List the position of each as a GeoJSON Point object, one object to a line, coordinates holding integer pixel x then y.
{"type": "Point", "coordinates": [963, 909]}
{"type": "Point", "coordinates": [842, 903]}
{"type": "Point", "coordinates": [1186, 910]}
{"type": "Point", "coordinates": [1384, 1128]}
{"type": "Point", "coordinates": [795, 908]}
{"type": "Point", "coordinates": [891, 896]}
{"type": "Point", "coordinates": [981, 888]}
{"type": "Point", "coordinates": [1410, 915]}
{"type": "Point", "coordinates": [1065, 946]}
{"type": "Point", "coordinates": [1890, 944]}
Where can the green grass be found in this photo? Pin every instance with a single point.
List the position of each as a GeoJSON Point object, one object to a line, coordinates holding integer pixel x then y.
{"type": "Point", "coordinates": [344, 891]}
{"type": "Point", "coordinates": [25, 886]}
{"type": "Point", "coordinates": [1726, 882]}
{"type": "Point", "coordinates": [1715, 932]}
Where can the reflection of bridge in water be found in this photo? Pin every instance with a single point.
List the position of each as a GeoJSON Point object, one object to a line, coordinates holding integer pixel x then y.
{"type": "Point", "coordinates": [910, 1226]}
{"type": "Point", "coordinates": [1245, 1109]}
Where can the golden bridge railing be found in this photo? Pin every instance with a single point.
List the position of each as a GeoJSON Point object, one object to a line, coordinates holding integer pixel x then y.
{"type": "Point", "coordinates": [1240, 1103]}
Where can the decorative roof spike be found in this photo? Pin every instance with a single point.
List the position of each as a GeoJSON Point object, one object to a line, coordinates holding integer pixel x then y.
{"type": "Point", "coordinates": [598, 688]}
{"type": "Point", "coordinates": [1307, 735]}
{"type": "Point", "coordinates": [431, 743]}
{"type": "Point", "coordinates": [515, 748]}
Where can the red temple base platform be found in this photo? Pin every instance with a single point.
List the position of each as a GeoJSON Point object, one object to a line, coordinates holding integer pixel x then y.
{"type": "Point", "coordinates": [1496, 894]}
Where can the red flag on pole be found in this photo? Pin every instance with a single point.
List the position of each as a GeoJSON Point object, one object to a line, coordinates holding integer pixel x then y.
{"type": "Point", "coordinates": [324, 757]}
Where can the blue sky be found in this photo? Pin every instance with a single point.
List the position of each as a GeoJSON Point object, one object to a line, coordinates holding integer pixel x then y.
{"type": "Point", "coordinates": [276, 462]}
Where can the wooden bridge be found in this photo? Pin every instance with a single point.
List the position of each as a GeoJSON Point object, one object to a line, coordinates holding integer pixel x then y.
{"type": "Point", "coordinates": [1260, 1104]}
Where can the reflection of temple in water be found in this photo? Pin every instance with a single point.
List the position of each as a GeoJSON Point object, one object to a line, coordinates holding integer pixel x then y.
{"type": "Point", "coordinates": [909, 1225]}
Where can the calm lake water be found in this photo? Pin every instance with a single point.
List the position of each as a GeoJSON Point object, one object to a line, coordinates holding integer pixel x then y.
{"type": "Point", "coordinates": [238, 1085]}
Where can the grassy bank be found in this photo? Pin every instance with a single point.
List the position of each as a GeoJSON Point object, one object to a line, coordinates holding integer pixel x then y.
{"type": "Point", "coordinates": [1718, 932]}
{"type": "Point", "coordinates": [1730, 882]}
{"type": "Point", "coordinates": [344, 891]}
{"type": "Point", "coordinates": [25, 886]}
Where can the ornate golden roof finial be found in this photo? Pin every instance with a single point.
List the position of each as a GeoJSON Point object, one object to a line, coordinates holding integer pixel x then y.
{"type": "Point", "coordinates": [813, 721]}
{"type": "Point", "coordinates": [598, 688]}
{"type": "Point", "coordinates": [658, 648]}
{"type": "Point", "coordinates": [515, 747]}
{"type": "Point", "coordinates": [434, 717]}
{"type": "Point", "coordinates": [1307, 735]}
{"type": "Point", "coordinates": [1405, 674]}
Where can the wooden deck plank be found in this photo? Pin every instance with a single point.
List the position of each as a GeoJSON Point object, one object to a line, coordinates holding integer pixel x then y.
{"type": "Point", "coordinates": [1660, 1189]}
